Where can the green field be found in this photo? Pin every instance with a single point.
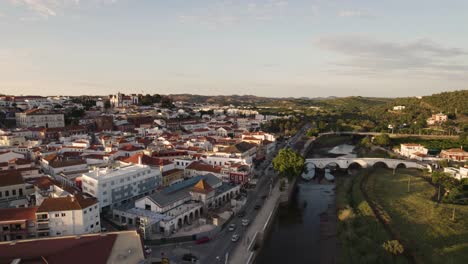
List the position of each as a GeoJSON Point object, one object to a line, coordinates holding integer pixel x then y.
{"type": "Point", "coordinates": [360, 234]}
{"type": "Point", "coordinates": [425, 227]}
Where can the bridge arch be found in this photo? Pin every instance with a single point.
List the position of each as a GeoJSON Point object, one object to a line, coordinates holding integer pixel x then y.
{"type": "Point", "coordinates": [335, 164]}
{"type": "Point", "coordinates": [381, 164]}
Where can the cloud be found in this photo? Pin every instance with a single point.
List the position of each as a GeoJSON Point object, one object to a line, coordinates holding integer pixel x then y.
{"type": "Point", "coordinates": [356, 13]}
{"type": "Point", "coordinates": [229, 12]}
{"type": "Point", "coordinates": [50, 8]}
{"type": "Point", "coordinates": [369, 55]}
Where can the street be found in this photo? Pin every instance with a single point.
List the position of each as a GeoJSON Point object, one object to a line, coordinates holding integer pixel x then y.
{"type": "Point", "coordinates": [218, 249]}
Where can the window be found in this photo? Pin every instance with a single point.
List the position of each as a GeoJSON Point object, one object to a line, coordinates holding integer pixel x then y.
{"type": "Point", "coordinates": [20, 192]}
{"type": "Point", "coordinates": [13, 192]}
{"type": "Point", "coordinates": [1, 194]}
{"type": "Point", "coordinates": [63, 214]}
{"type": "Point", "coordinates": [92, 226]}
{"type": "Point", "coordinates": [97, 223]}
{"type": "Point", "coordinates": [104, 192]}
{"type": "Point", "coordinates": [90, 209]}
{"type": "Point", "coordinates": [7, 193]}
{"type": "Point", "coordinates": [148, 207]}
{"type": "Point", "coordinates": [57, 215]}
{"type": "Point", "coordinates": [104, 185]}
{"type": "Point", "coordinates": [58, 233]}
{"type": "Point", "coordinates": [84, 211]}
{"type": "Point", "coordinates": [95, 207]}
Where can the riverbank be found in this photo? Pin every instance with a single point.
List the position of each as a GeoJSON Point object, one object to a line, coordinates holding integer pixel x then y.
{"type": "Point", "coordinates": [425, 228]}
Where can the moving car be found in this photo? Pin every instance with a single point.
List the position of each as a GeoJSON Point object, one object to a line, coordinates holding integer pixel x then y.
{"type": "Point", "coordinates": [147, 250]}
{"type": "Point", "coordinates": [235, 237]}
{"type": "Point", "coordinates": [189, 257]}
{"type": "Point", "coordinates": [245, 222]}
{"type": "Point", "coordinates": [241, 214]}
{"type": "Point", "coordinates": [232, 227]}
{"type": "Point", "coordinates": [202, 240]}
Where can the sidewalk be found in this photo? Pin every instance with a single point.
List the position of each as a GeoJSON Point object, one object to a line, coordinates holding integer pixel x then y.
{"type": "Point", "coordinates": [242, 253]}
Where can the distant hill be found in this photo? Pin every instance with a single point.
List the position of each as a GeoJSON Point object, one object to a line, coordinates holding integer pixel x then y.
{"type": "Point", "coordinates": [448, 102]}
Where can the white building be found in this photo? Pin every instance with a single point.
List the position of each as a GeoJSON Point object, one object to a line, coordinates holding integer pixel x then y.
{"type": "Point", "coordinates": [71, 215]}
{"type": "Point", "coordinates": [39, 118]}
{"type": "Point", "coordinates": [457, 173]}
{"type": "Point", "coordinates": [119, 185]}
{"type": "Point", "coordinates": [399, 108]}
{"type": "Point", "coordinates": [412, 150]}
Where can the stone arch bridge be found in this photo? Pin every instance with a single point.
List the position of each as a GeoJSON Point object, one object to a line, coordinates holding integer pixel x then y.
{"type": "Point", "coordinates": [344, 163]}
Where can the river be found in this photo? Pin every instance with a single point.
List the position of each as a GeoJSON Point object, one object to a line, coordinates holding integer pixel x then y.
{"type": "Point", "coordinates": [295, 233]}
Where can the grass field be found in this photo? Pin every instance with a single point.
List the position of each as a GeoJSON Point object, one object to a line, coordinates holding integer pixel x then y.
{"type": "Point", "coordinates": [359, 232]}
{"type": "Point", "coordinates": [425, 227]}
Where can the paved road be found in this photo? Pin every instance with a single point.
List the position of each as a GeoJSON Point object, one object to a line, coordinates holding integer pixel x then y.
{"type": "Point", "coordinates": [221, 245]}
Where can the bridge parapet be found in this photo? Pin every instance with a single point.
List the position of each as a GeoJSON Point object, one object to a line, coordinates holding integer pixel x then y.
{"type": "Point", "coordinates": [344, 163]}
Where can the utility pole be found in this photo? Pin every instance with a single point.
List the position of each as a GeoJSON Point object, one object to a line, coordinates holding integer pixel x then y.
{"type": "Point", "coordinates": [409, 183]}
{"type": "Point", "coordinates": [438, 196]}
{"type": "Point", "coordinates": [453, 214]}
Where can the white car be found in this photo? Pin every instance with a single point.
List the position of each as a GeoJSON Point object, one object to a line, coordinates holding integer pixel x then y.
{"type": "Point", "coordinates": [245, 222]}
{"type": "Point", "coordinates": [232, 227]}
{"type": "Point", "coordinates": [235, 237]}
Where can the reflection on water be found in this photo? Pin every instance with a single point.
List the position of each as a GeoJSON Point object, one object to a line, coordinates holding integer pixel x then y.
{"type": "Point", "coordinates": [295, 233]}
{"type": "Point", "coordinates": [344, 149]}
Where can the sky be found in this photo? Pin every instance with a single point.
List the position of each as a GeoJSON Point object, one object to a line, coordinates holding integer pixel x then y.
{"type": "Point", "coordinates": [275, 48]}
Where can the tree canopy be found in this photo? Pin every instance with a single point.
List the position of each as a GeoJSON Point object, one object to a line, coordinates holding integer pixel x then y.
{"type": "Point", "coordinates": [288, 163]}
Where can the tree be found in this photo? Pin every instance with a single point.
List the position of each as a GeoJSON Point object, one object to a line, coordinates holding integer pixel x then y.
{"type": "Point", "coordinates": [288, 163]}
{"type": "Point", "coordinates": [393, 247]}
{"type": "Point", "coordinates": [382, 140]}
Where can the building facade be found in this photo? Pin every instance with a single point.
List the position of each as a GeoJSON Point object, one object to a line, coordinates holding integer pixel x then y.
{"type": "Point", "coordinates": [119, 185]}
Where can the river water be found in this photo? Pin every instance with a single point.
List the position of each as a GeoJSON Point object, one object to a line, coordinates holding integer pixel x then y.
{"type": "Point", "coordinates": [295, 234]}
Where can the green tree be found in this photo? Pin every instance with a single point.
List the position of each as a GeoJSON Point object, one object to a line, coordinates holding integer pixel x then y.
{"type": "Point", "coordinates": [393, 247]}
{"type": "Point", "coordinates": [288, 163]}
{"type": "Point", "coordinates": [382, 140]}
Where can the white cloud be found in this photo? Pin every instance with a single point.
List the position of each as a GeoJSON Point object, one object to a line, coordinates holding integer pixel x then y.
{"type": "Point", "coordinates": [229, 12]}
{"type": "Point", "coordinates": [356, 13]}
{"type": "Point", "coordinates": [368, 55]}
{"type": "Point", "coordinates": [50, 8]}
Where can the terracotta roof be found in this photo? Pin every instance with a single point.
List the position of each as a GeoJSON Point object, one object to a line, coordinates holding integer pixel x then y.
{"type": "Point", "coordinates": [10, 177]}
{"type": "Point", "coordinates": [76, 202]}
{"type": "Point", "coordinates": [455, 150]}
{"type": "Point", "coordinates": [60, 250]}
{"type": "Point", "coordinates": [66, 163]}
{"type": "Point", "coordinates": [147, 160]}
{"type": "Point", "coordinates": [17, 214]}
{"type": "Point", "coordinates": [130, 148]}
{"type": "Point", "coordinates": [202, 187]}
{"type": "Point", "coordinates": [201, 166]}
{"type": "Point", "coordinates": [170, 172]}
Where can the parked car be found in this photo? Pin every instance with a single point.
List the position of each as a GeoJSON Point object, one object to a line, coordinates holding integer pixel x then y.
{"type": "Point", "coordinates": [232, 227]}
{"type": "Point", "coordinates": [235, 237]}
{"type": "Point", "coordinates": [189, 257]}
{"type": "Point", "coordinates": [245, 222]}
{"type": "Point", "coordinates": [147, 250]}
{"type": "Point", "coordinates": [257, 206]}
{"type": "Point", "coordinates": [202, 240]}
{"type": "Point", "coordinates": [103, 229]}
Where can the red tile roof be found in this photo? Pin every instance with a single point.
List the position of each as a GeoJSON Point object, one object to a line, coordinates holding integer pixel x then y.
{"type": "Point", "coordinates": [201, 166]}
{"type": "Point", "coordinates": [76, 202]}
{"type": "Point", "coordinates": [17, 214]}
{"type": "Point", "coordinates": [90, 249]}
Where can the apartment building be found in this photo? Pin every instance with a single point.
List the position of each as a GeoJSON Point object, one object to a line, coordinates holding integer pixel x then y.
{"type": "Point", "coordinates": [40, 118]}
{"type": "Point", "coordinates": [115, 186]}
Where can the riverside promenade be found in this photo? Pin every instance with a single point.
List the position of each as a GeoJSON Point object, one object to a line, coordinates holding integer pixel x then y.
{"type": "Point", "coordinates": [251, 241]}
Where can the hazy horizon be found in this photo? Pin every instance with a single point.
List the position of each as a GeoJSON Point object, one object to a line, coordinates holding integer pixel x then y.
{"type": "Point", "coordinates": [267, 48]}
